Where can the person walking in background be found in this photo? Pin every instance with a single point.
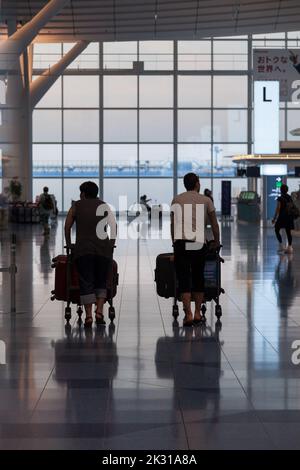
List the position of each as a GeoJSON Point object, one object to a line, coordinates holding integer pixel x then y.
{"type": "Point", "coordinates": [208, 193]}
{"type": "Point", "coordinates": [46, 207]}
{"type": "Point", "coordinates": [93, 249]}
{"type": "Point", "coordinates": [283, 219]}
{"type": "Point", "coordinates": [189, 256]}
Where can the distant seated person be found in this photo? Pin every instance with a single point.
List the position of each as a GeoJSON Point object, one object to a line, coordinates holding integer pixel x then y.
{"type": "Point", "coordinates": [144, 202]}
{"type": "Point", "coordinates": [46, 207]}
{"type": "Point", "coordinates": [208, 193]}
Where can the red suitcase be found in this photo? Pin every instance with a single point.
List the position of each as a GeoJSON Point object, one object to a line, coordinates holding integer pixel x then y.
{"type": "Point", "coordinates": [66, 287]}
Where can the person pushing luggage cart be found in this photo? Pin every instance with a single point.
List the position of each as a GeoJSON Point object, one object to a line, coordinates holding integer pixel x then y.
{"type": "Point", "coordinates": [94, 248]}
{"type": "Point", "coordinates": [187, 219]}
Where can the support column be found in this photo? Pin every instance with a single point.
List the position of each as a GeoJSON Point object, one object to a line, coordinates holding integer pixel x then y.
{"type": "Point", "coordinates": [16, 109]}
{"type": "Point", "coordinates": [22, 38]}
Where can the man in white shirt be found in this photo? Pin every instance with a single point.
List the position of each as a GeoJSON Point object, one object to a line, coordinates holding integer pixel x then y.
{"type": "Point", "coordinates": [190, 213]}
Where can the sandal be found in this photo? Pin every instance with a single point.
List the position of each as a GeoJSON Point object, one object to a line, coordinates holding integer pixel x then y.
{"type": "Point", "coordinates": [88, 322]}
{"type": "Point", "coordinates": [100, 319]}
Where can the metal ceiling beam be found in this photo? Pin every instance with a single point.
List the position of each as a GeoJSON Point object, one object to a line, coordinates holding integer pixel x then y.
{"type": "Point", "coordinates": [43, 83]}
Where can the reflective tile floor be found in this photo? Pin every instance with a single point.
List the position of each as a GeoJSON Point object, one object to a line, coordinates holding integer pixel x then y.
{"type": "Point", "coordinates": [143, 383]}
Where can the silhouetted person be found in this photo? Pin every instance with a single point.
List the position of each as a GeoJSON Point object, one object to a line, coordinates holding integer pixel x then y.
{"type": "Point", "coordinates": [46, 207]}
{"type": "Point", "coordinates": [93, 248]}
{"type": "Point", "coordinates": [189, 254]}
{"type": "Point", "coordinates": [283, 220]}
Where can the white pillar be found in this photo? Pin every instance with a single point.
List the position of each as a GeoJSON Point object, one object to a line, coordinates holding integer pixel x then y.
{"type": "Point", "coordinates": [17, 42]}
{"type": "Point", "coordinates": [16, 115]}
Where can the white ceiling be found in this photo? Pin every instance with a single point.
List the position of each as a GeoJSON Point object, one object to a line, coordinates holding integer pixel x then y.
{"type": "Point", "coordinates": [157, 19]}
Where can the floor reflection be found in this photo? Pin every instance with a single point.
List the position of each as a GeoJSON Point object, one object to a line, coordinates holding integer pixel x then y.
{"type": "Point", "coordinates": [146, 383]}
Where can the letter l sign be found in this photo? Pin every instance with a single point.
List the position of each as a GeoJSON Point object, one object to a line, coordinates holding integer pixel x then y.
{"type": "Point", "coordinates": [264, 92]}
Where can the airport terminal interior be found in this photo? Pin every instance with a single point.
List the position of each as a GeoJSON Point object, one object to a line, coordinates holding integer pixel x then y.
{"type": "Point", "coordinates": [133, 97]}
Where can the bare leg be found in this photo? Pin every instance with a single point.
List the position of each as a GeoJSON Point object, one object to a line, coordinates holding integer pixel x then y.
{"type": "Point", "coordinates": [100, 301]}
{"type": "Point", "coordinates": [88, 314]}
{"type": "Point", "coordinates": [186, 300]}
{"type": "Point", "coordinates": [198, 296]}
{"type": "Point", "coordinates": [99, 310]}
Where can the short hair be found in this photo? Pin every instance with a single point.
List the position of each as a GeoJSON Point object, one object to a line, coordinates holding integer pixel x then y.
{"type": "Point", "coordinates": [190, 180]}
{"type": "Point", "coordinates": [284, 188]}
{"type": "Point", "coordinates": [45, 189]}
{"type": "Point", "coordinates": [90, 189]}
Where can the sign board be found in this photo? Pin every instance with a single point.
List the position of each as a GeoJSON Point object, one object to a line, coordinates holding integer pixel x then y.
{"type": "Point", "coordinates": [266, 117]}
{"type": "Point", "coordinates": [282, 65]}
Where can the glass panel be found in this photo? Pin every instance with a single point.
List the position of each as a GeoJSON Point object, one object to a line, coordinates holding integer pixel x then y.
{"type": "Point", "coordinates": [194, 55]}
{"type": "Point", "coordinates": [88, 59]}
{"type": "Point", "coordinates": [230, 126]}
{"type": "Point", "coordinates": [194, 126]}
{"type": "Point", "coordinates": [156, 160]}
{"type": "Point", "coordinates": [194, 92]}
{"type": "Point", "coordinates": [269, 36]}
{"type": "Point", "coordinates": [120, 126]}
{"type": "Point", "coordinates": [156, 55]}
{"type": "Point", "coordinates": [47, 160]}
{"type": "Point", "coordinates": [81, 91]}
{"type": "Point", "coordinates": [45, 55]}
{"type": "Point", "coordinates": [293, 125]}
{"type": "Point", "coordinates": [119, 55]}
{"type": "Point", "coordinates": [120, 91]}
{"type": "Point", "coordinates": [230, 55]}
{"type": "Point", "coordinates": [268, 44]}
{"type": "Point", "coordinates": [230, 92]}
{"type": "Point", "coordinates": [81, 160]}
{"type": "Point", "coordinates": [54, 185]}
{"type": "Point", "coordinates": [71, 190]}
{"type": "Point", "coordinates": [156, 126]}
{"type": "Point", "coordinates": [194, 158]}
{"type": "Point", "coordinates": [156, 91]}
{"type": "Point", "coordinates": [81, 126]}
{"type": "Point", "coordinates": [156, 191]}
{"type": "Point", "coordinates": [126, 187]}
{"type": "Point", "coordinates": [293, 35]}
{"type": "Point", "coordinates": [47, 126]}
{"type": "Point", "coordinates": [52, 99]}
{"type": "Point", "coordinates": [222, 158]}
{"type": "Point", "coordinates": [120, 160]}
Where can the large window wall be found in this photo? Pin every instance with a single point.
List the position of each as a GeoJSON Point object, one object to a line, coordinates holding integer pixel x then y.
{"type": "Point", "coordinates": [136, 116]}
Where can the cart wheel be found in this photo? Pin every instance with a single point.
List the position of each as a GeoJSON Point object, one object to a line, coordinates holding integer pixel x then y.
{"type": "Point", "coordinates": [68, 314]}
{"type": "Point", "coordinates": [111, 313]}
{"type": "Point", "coordinates": [175, 312]}
{"type": "Point", "coordinates": [218, 311]}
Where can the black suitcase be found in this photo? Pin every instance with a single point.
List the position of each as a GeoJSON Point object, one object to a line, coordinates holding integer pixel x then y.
{"type": "Point", "coordinates": [165, 275]}
{"type": "Point", "coordinates": [166, 284]}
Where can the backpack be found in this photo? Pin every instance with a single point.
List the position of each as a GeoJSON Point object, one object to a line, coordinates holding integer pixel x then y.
{"type": "Point", "coordinates": [47, 203]}
{"type": "Point", "coordinates": [292, 210]}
